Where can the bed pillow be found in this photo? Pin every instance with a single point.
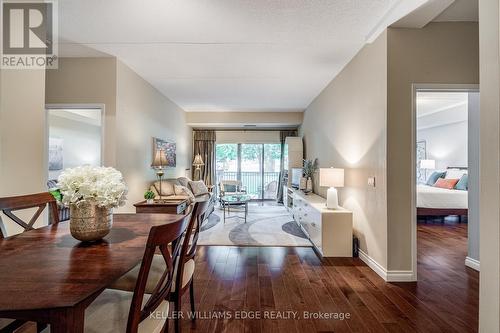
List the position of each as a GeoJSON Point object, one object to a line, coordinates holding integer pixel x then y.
{"type": "Point", "coordinates": [448, 184]}
{"type": "Point", "coordinates": [434, 177]}
{"type": "Point", "coordinates": [463, 183]}
{"type": "Point", "coordinates": [455, 173]}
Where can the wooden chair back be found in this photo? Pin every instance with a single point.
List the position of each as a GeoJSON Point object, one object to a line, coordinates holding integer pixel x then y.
{"type": "Point", "coordinates": [197, 219]}
{"type": "Point", "coordinates": [8, 205]}
{"type": "Point", "coordinates": [160, 237]}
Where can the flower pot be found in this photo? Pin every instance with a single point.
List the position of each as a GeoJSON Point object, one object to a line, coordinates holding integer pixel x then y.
{"type": "Point", "coordinates": [150, 201]}
{"type": "Point", "coordinates": [90, 223]}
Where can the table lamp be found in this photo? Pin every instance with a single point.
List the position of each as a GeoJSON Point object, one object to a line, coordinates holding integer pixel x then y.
{"type": "Point", "coordinates": [332, 178]}
{"type": "Point", "coordinates": [159, 162]}
{"type": "Point", "coordinates": [198, 163]}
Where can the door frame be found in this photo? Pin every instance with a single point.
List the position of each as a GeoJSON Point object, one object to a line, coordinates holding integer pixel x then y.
{"type": "Point", "coordinates": [64, 106]}
{"type": "Point", "coordinates": [416, 87]}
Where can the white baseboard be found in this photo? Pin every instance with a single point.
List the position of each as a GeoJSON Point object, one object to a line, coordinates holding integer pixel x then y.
{"type": "Point", "coordinates": [389, 276]}
{"type": "Point", "coordinates": [472, 263]}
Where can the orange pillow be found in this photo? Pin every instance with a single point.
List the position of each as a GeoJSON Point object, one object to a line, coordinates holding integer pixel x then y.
{"type": "Point", "coordinates": [446, 183]}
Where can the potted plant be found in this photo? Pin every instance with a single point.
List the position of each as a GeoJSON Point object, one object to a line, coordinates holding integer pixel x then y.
{"type": "Point", "coordinates": [149, 196]}
{"type": "Point", "coordinates": [309, 168]}
{"type": "Point", "coordinates": [91, 193]}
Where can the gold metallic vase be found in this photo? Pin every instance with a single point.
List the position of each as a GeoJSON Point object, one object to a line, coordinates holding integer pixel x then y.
{"type": "Point", "coordinates": [89, 223]}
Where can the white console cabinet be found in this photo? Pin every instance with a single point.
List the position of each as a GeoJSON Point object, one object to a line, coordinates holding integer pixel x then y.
{"type": "Point", "coordinates": [330, 231]}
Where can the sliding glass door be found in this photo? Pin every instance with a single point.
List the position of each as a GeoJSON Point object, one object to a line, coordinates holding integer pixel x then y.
{"type": "Point", "coordinates": [257, 166]}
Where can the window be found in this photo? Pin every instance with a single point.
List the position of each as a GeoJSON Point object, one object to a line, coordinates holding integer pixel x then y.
{"type": "Point", "coordinates": [257, 166]}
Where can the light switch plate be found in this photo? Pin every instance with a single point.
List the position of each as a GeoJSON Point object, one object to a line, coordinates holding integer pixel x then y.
{"type": "Point", "coordinates": [371, 181]}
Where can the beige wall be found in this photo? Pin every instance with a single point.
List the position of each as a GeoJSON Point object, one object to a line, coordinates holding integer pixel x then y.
{"type": "Point", "coordinates": [438, 53]}
{"type": "Point", "coordinates": [248, 136]}
{"type": "Point", "coordinates": [489, 297]}
{"type": "Point", "coordinates": [345, 126]}
{"type": "Point", "coordinates": [22, 135]}
{"type": "Point", "coordinates": [236, 119]}
{"type": "Point", "coordinates": [142, 113]}
{"type": "Point", "coordinates": [135, 113]}
{"type": "Point", "coordinates": [87, 81]}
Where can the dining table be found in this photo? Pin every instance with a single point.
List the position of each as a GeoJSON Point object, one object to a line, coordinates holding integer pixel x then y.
{"type": "Point", "coordinates": [49, 277]}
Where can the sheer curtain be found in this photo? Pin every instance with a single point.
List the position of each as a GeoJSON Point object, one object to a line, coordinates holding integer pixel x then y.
{"type": "Point", "coordinates": [204, 144]}
{"type": "Point", "coordinates": [283, 136]}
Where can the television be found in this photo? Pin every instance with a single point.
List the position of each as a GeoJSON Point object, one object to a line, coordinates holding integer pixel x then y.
{"type": "Point", "coordinates": [296, 175]}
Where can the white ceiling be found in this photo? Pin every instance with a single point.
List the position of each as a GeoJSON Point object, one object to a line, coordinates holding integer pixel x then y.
{"type": "Point", "coordinates": [227, 55]}
{"type": "Point", "coordinates": [441, 108]}
{"type": "Point", "coordinates": [433, 102]}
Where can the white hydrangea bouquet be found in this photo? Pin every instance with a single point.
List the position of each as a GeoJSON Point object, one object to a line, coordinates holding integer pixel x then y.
{"type": "Point", "coordinates": [91, 193]}
{"type": "Point", "coordinates": [100, 185]}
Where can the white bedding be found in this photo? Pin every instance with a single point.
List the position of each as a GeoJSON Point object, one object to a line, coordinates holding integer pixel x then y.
{"type": "Point", "coordinates": [435, 197]}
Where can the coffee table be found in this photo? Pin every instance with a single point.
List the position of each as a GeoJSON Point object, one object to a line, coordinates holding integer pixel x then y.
{"type": "Point", "coordinates": [235, 200]}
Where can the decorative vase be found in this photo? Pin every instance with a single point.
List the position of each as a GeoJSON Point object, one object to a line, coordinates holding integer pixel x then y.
{"type": "Point", "coordinates": [309, 185]}
{"type": "Point", "coordinates": [90, 223]}
{"type": "Point", "coordinates": [303, 183]}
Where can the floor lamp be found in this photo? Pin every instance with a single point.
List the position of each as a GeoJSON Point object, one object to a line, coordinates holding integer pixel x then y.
{"type": "Point", "coordinates": [160, 162]}
{"type": "Point", "coordinates": [198, 163]}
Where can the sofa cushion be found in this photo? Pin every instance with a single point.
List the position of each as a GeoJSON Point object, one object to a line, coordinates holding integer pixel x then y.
{"type": "Point", "coordinates": [198, 187]}
{"type": "Point", "coordinates": [203, 197]}
{"type": "Point", "coordinates": [184, 181]}
{"type": "Point", "coordinates": [184, 191]}
{"type": "Point", "coordinates": [167, 187]}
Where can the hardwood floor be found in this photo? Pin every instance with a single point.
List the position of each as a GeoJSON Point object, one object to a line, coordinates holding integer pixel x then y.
{"type": "Point", "coordinates": [234, 281]}
{"type": "Point", "coordinates": [265, 281]}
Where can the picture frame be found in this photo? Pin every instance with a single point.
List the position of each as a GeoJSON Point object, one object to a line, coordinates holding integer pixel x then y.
{"type": "Point", "coordinates": [421, 155]}
{"type": "Point", "coordinates": [170, 148]}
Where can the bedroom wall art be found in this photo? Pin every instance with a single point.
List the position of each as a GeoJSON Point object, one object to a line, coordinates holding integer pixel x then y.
{"type": "Point", "coordinates": [55, 154]}
{"type": "Point", "coordinates": [421, 155]}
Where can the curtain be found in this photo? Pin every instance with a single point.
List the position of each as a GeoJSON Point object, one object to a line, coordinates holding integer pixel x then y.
{"type": "Point", "coordinates": [204, 144]}
{"type": "Point", "coordinates": [281, 182]}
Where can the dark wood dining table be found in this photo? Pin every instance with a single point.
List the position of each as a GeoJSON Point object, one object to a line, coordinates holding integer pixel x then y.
{"type": "Point", "coordinates": [49, 277]}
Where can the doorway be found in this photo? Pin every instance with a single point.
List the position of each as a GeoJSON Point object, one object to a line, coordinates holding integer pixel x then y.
{"type": "Point", "coordinates": [445, 221]}
{"type": "Point", "coordinates": [75, 138]}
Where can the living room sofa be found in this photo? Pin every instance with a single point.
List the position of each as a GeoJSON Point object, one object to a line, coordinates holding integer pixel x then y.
{"type": "Point", "coordinates": [185, 188]}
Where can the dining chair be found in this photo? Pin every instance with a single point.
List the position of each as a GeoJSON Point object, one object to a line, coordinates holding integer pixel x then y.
{"type": "Point", "coordinates": [183, 281]}
{"type": "Point", "coordinates": [142, 311]}
{"type": "Point", "coordinates": [9, 205]}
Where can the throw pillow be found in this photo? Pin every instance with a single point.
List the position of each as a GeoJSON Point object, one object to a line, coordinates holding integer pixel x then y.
{"type": "Point", "coordinates": [198, 187]}
{"type": "Point", "coordinates": [455, 173]}
{"type": "Point", "coordinates": [184, 181]}
{"type": "Point", "coordinates": [184, 191]}
{"type": "Point", "coordinates": [463, 183]}
{"type": "Point", "coordinates": [167, 188]}
{"type": "Point", "coordinates": [229, 188]}
{"type": "Point", "coordinates": [434, 177]}
{"type": "Point", "coordinates": [448, 184]}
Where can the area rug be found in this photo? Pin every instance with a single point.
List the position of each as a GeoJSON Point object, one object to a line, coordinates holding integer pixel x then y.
{"type": "Point", "coordinates": [267, 225]}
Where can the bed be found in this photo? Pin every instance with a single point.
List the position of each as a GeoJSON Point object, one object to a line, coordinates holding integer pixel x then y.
{"type": "Point", "coordinates": [434, 201]}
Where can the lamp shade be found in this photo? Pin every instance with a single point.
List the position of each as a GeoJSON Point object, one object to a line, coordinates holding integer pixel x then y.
{"type": "Point", "coordinates": [331, 177]}
{"type": "Point", "coordinates": [198, 161]}
{"type": "Point", "coordinates": [427, 164]}
{"type": "Point", "coordinates": [160, 159]}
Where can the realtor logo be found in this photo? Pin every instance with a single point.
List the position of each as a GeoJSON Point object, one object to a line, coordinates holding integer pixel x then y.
{"type": "Point", "coordinates": [28, 35]}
